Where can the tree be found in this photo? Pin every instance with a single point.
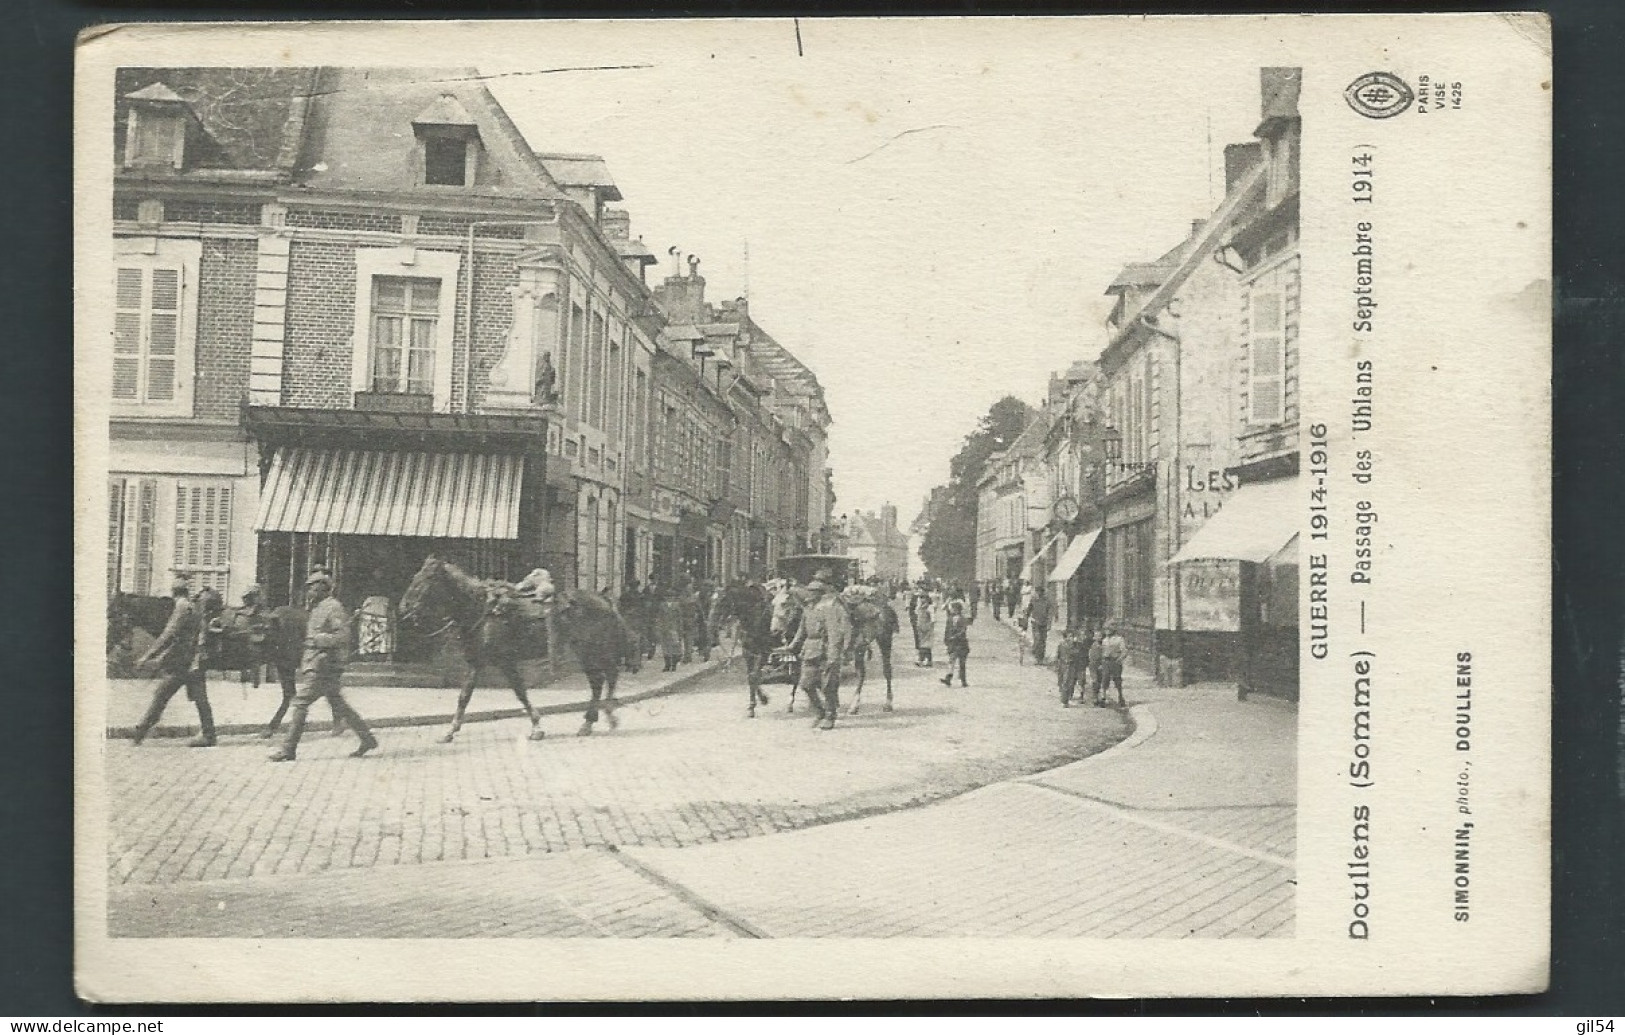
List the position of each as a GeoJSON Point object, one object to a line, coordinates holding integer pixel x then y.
{"type": "Point", "coordinates": [948, 546]}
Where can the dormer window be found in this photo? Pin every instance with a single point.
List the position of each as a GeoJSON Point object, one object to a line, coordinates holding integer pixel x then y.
{"type": "Point", "coordinates": [445, 161]}
{"type": "Point", "coordinates": [448, 144]}
{"type": "Point", "coordinates": [155, 128]}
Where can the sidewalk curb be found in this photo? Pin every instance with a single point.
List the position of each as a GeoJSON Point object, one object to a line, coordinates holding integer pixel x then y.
{"type": "Point", "coordinates": [1145, 727]}
{"type": "Point", "coordinates": [440, 718]}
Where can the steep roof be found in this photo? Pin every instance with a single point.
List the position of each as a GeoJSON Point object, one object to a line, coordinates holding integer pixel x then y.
{"type": "Point", "coordinates": [251, 118]}
{"type": "Point", "coordinates": [573, 170]}
{"type": "Point", "coordinates": [360, 133]}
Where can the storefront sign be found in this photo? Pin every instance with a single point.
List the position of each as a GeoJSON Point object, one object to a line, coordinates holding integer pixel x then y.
{"type": "Point", "coordinates": [1210, 596]}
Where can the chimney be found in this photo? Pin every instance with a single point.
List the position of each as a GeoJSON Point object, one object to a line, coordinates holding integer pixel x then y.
{"type": "Point", "coordinates": [1238, 160]}
{"type": "Point", "coordinates": [1279, 90]}
{"type": "Point", "coordinates": [617, 225]}
{"type": "Point", "coordinates": [888, 516]}
{"type": "Point", "coordinates": [681, 298]}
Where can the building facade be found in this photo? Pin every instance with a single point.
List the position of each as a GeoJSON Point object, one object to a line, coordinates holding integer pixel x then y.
{"type": "Point", "coordinates": [1160, 487]}
{"type": "Point", "coordinates": [359, 320]}
{"type": "Point", "coordinates": [879, 545]}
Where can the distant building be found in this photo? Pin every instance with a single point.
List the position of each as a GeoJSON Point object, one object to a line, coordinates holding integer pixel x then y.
{"type": "Point", "coordinates": [879, 545]}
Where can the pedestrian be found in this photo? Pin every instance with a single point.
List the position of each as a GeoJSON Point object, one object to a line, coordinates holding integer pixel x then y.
{"type": "Point", "coordinates": [321, 670]}
{"type": "Point", "coordinates": [632, 613]}
{"type": "Point", "coordinates": [1096, 663]}
{"type": "Point", "coordinates": [1113, 652]}
{"type": "Point", "coordinates": [995, 593]}
{"type": "Point", "coordinates": [669, 630]}
{"type": "Point", "coordinates": [956, 637]}
{"type": "Point", "coordinates": [253, 621]}
{"type": "Point", "coordinates": [1012, 596]}
{"type": "Point", "coordinates": [1038, 619]}
{"type": "Point", "coordinates": [821, 644]}
{"type": "Point", "coordinates": [925, 629]}
{"type": "Point", "coordinates": [975, 598]}
{"type": "Point", "coordinates": [177, 654]}
{"type": "Point", "coordinates": [1071, 665]}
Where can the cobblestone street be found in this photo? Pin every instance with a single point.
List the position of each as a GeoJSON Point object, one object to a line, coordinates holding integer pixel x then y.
{"type": "Point", "coordinates": [658, 828]}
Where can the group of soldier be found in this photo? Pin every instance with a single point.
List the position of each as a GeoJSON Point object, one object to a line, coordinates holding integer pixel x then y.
{"type": "Point", "coordinates": [673, 619]}
{"type": "Point", "coordinates": [185, 650]}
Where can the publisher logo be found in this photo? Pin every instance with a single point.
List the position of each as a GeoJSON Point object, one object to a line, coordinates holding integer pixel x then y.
{"type": "Point", "coordinates": [1379, 95]}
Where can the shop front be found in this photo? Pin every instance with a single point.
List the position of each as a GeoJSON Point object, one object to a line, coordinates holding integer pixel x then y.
{"type": "Point", "coordinates": [1238, 592]}
{"type": "Point", "coordinates": [1078, 584]}
{"type": "Point", "coordinates": [370, 495]}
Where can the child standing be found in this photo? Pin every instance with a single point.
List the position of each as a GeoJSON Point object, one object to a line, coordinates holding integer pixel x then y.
{"type": "Point", "coordinates": [1113, 652]}
{"type": "Point", "coordinates": [956, 637]}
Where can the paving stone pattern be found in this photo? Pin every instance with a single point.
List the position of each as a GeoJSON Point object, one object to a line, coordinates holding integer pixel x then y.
{"type": "Point", "coordinates": [682, 770]}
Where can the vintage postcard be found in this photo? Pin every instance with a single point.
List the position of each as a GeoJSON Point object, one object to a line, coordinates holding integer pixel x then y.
{"type": "Point", "coordinates": [874, 508]}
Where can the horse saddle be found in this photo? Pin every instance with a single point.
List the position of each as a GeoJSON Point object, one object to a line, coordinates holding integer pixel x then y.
{"type": "Point", "coordinates": [509, 604]}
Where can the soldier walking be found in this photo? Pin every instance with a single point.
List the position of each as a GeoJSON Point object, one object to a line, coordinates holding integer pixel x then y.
{"type": "Point", "coordinates": [821, 644]}
{"type": "Point", "coordinates": [178, 654]}
{"type": "Point", "coordinates": [321, 670]}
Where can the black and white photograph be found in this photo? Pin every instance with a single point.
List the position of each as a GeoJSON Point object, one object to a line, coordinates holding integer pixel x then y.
{"type": "Point", "coordinates": [830, 482]}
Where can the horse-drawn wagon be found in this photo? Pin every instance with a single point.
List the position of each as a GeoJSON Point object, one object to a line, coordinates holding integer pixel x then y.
{"type": "Point", "coordinates": [782, 664]}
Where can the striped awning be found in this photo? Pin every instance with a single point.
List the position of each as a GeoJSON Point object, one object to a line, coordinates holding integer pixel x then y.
{"type": "Point", "coordinates": [366, 492]}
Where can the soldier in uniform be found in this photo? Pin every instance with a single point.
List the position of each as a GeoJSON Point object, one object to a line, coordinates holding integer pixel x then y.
{"type": "Point", "coordinates": [821, 644]}
{"type": "Point", "coordinates": [321, 670]}
{"type": "Point", "coordinates": [177, 653]}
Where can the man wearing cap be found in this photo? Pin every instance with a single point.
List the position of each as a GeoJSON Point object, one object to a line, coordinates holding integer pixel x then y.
{"type": "Point", "coordinates": [321, 670]}
{"type": "Point", "coordinates": [821, 643]}
{"type": "Point", "coordinates": [176, 652]}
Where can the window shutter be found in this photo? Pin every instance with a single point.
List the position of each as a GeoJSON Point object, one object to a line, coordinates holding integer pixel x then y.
{"type": "Point", "coordinates": [115, 533]}
{"type": "Point", "coordinates": [147, 333]}
{"type": "Point", "coordinates": [146, 520]}
{"type": "Point", "coordinates": [203, 534]}
{"type": "Point", "coordinates": [127, 296]}
{"type": "Point", "coordinates": [1266, 353]}
{"type": "Point", "coordinates": [163, 334]}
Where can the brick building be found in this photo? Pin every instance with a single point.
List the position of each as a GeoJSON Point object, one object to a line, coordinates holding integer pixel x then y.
{"type": "Point", "coordinates": [359, 320]}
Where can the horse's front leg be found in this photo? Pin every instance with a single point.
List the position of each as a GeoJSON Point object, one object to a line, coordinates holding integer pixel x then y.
{"type": "Point", "coordinates": [517, 681]}
{"type": "Point", "coordinates": [610, 703]}
{"type": "Point", "coordinates": [595, 679]}
{"type": "Point", "coordinates": [859, 662]}
{"type": "Point", "coordinates": [885, 670]}
{"type": "Point", "coordinates": [289, 688]}
{"type": "Point", "coordinates": [463, 697]}
{"type": "Point", "coordinates": [753, 683]}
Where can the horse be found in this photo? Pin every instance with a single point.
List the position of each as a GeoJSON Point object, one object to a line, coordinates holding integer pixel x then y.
{"type": "Point", "coordinates": [240, 643]}
{"type": "Point", "coordinates": [789, 605]}
{"type": "Point", "coordinates": [873, 623]}
{"type": "Point", "coordinates": [126, 613]}
{"type": "Point", "coordinates": [598, 637]}
{"type": "Point", "coordinates": [489, 635]}
{"type": "Point", "coordinates": [749, 605]}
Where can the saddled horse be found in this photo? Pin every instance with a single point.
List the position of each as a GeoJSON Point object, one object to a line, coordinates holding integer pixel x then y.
{"type": "Point", "coordinates": [443, 595]}
{"type": "Point", "coordinates": [789, 605]}
{"type": "Point", "coordinates": [600, 640]}
{"type": "Point", "coordinates": [748, 604]}
{"type": "Point", "coordinates": [873, 623]}
{"type": "Point", "coordinates": [870, 627]}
